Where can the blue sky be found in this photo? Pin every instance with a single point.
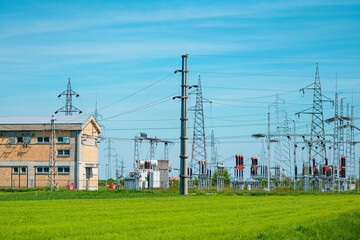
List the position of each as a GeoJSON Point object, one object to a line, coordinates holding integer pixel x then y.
{"type": "Point", "coordinates": [245, 53]}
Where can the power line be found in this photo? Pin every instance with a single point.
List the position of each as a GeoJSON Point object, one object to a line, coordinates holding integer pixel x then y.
{"type": "Point", "coordinates": [249, 89]}
{"type": "Point", "coordinates": [136, 92]}
{"type": "Point", "coordinates": [169, 128]}
{"type": "Point", "coordinates": [265, 75]}
{"type": "Point", "coordinates": [157, 102]}
{"type": "Point", "coordinates": [176, 119]}
{"type": "Point", "coordinates": [277, 57]}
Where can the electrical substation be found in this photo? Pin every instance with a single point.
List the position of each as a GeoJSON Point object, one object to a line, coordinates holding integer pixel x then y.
{"type": "Point", "coordinates": [330, 163]}
{"type": "Point", "coordinates": [310, 160]}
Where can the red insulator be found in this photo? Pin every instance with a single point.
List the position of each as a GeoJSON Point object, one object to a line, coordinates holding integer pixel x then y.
{"type": "Point", "coordinates": [343, 161]}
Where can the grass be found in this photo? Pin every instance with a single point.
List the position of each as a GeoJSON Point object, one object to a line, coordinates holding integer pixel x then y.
{"type": "Point", "coordinates": [9, 194]}
{"type": "Point", "coordinates": [159, 215]}
{"type": "Point", "coordinates": [41, 194]}
{"type": "Point", "coordinates": [345, 226]}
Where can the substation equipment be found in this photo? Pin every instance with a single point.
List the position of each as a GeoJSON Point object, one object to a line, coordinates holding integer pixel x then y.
{"type": "Point", "coordinates": [319, 171]}
{"type": "Point", "coordinates": [147, 173]}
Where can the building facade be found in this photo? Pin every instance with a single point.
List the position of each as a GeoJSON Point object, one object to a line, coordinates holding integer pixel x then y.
{"type": "Point", "coordinates": [25, 147]}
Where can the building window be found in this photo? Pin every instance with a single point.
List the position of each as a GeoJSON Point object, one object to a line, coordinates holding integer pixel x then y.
{"type": "Point", "coordinates": [11, 140]}
{"type": "Point", "coordinates": [27, 140]}
{"type": "Point", "coordinates": [20, 140]}
{"type": "Point", "coordinates": [63, 139]}
{"type": "Point", "coordinates": [43, 139]}
{"type": "Point", "coordinates": [42, 170]}
{"type": "Point", "coordinates": [63, 152]}
{"type": "Point", "coordinates": [23, 169]}
{"type": "Point", "coordinates": [64, 170]}
{"type": "Point", "coordinates": [16, 170]}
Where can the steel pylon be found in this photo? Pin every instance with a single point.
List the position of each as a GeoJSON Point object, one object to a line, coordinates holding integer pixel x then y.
{"type": "Point", "coordinates": [69, 109]}
{"type": "Point", "coordinates": [53, 181]}
{"type": "Point", "coordinates": [318, 149]}
{"type": "Point", "coordinates": [198, 153]}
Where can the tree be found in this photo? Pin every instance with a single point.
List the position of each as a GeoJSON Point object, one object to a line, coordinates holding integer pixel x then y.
{"type": "Point", "coordinates": [226, 175]}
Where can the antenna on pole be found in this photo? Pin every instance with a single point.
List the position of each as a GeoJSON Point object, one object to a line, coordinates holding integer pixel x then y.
{"type": "Point", "coordinates": [68, 109]}
{"type": "Point", "coordinates": [96, 114]}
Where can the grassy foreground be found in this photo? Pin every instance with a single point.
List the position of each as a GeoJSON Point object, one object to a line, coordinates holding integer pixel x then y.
{"type": "Point", "coordinates": [162, 216]}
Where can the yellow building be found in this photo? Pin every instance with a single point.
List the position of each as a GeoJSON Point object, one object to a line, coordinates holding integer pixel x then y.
{"type": "Point", "coordinates": [25, 146]}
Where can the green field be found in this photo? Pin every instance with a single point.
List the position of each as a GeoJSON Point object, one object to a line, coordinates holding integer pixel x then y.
{"type": "Point", "coordinates": [156, 215]}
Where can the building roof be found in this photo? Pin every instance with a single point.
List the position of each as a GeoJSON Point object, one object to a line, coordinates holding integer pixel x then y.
{"type": "Point", "coordinates": [35, 120]}
{"type": "Point", "coordinates": [31, 123]}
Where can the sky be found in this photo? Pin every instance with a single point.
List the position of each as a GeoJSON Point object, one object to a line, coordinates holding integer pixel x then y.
{"type": "Point", "coordinates": [124, 54]}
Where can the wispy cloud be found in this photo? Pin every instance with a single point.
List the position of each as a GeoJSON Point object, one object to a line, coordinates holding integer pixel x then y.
{"type": "Point", "coordinates": [74, 19]}
{"type": "Point", "coordinates": [13, 27]}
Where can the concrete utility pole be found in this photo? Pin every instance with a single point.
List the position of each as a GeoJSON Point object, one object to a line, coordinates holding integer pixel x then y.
{"type": "Point", "coordinates": [107, 167]}
{"type": "Point", "coordinates": [295, 167]}
{"type": "Point", "coordinates": [268, 147]}
{"type": "Point", "coordinates": [122, 168]}
{"type": "Point", "coordinates": [184, 138]}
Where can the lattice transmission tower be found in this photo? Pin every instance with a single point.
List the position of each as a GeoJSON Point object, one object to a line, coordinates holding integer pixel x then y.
{"type": "Point", "coordinates": [69, 109]}
{"type": "Point", "coordinates": [352, 148]}
{"type": "Point", "coordinates": [282, 145]}
{"type": "Point", "coordinates": [98, 117]}
{"type": "Point", "coordinates": [53, 181]}
{"type": "Point", "coordinates": [286, 153]}
{"type": "Point", "coordinates": [317, 134]}
{"type": "Point", "coordinates": [198, 153]}
{"type": "Point", "coordinates": [279, 102]}
{"type": "Point", "coordinates": [213, 149]}
{"type": "Point", "coordinates": [109, 156]}
{"type": "Point", "coordinates": [122, 167]}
